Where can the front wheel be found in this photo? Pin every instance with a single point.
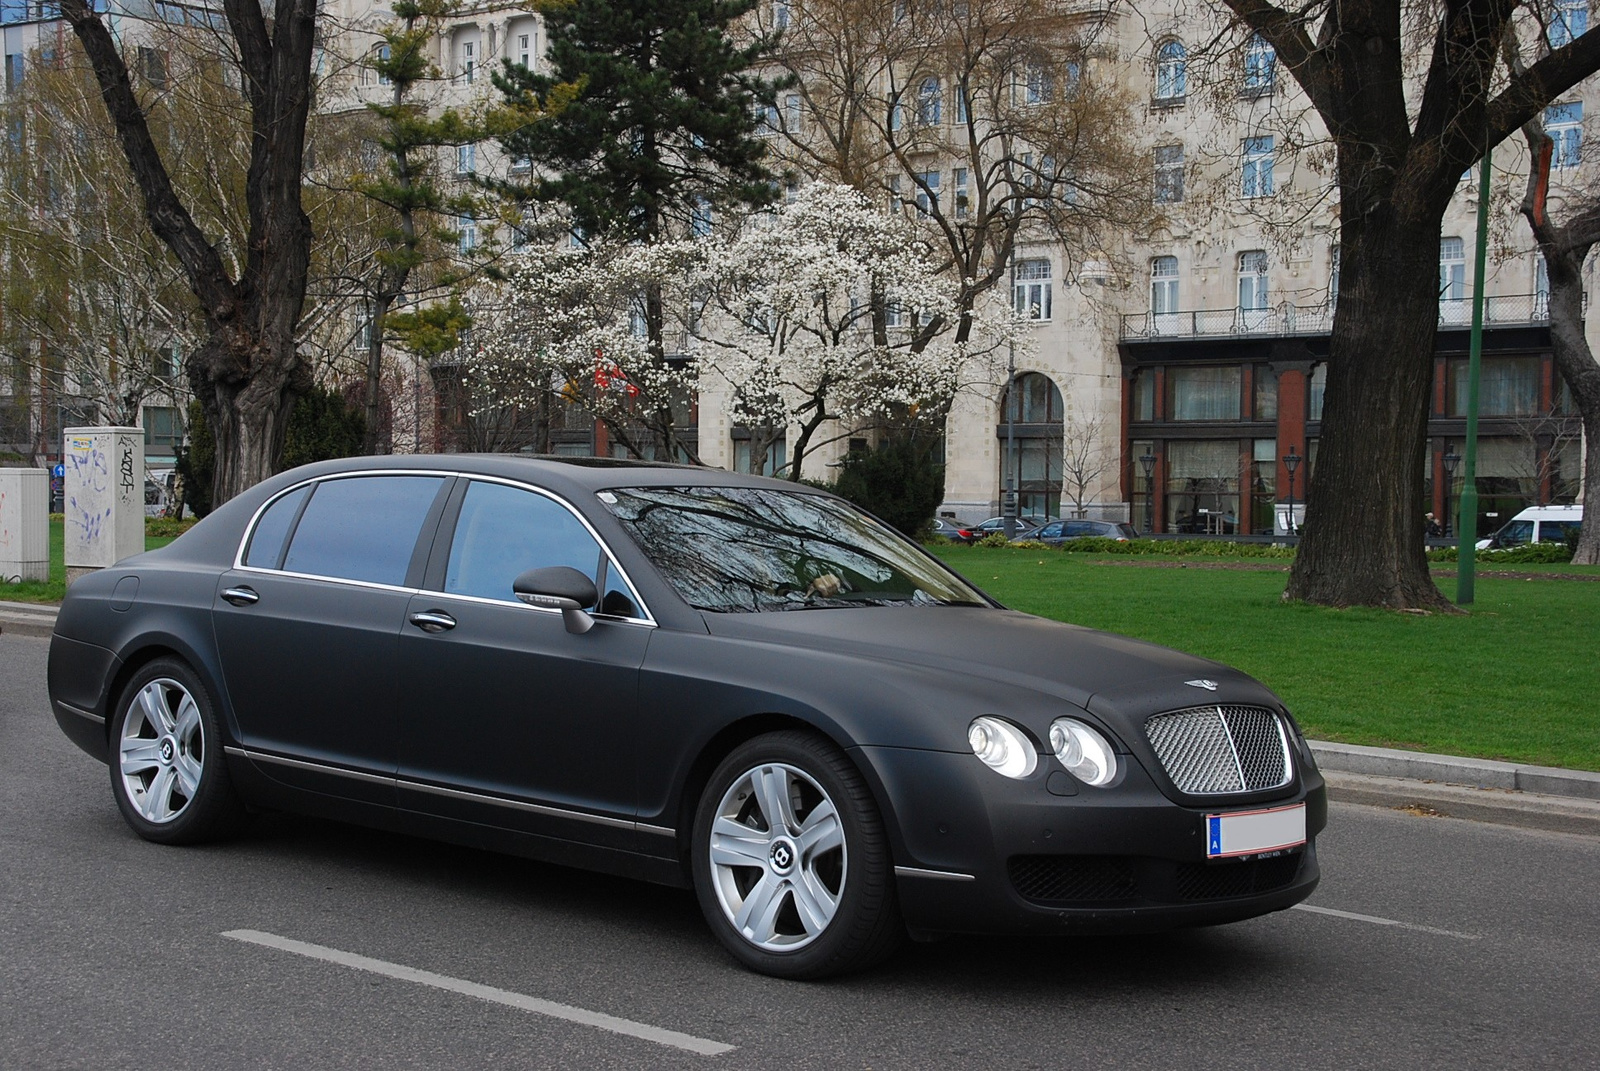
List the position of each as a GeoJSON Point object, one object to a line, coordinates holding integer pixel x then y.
{"type": "Point", "coordinates": [167, 770]}
{"type": "Point", "coordinates": [791, 863]}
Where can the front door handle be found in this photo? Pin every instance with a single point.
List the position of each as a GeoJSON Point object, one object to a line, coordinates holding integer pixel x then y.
{"type": "Point", "coordinates": [241, 596]}
{"type": "Point", "coordinates": [433, 621]}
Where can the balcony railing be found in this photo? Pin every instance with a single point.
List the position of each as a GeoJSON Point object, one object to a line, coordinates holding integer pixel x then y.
{"type": "Point", "coordinates": [1286, 319]}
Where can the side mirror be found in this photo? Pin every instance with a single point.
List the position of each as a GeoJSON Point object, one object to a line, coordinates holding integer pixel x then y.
{"type": "Point", "coordinates": [561, 588]}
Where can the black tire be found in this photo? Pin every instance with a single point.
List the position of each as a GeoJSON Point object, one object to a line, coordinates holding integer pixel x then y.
{"type": "Point", "coordinates": [813, 908]}
{"type": "Point", "coordinates": [165, 752]}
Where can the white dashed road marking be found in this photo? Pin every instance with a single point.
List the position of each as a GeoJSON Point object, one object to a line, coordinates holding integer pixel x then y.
{"type": "Point", "coordinates": [1376, 921]}
{"type": "Point", "coordinates": [567, 1012]}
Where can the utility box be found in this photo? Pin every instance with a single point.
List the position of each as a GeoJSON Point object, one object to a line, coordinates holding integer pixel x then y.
{"type": "Point", "coordinates": [103, 497]}
{"type": "Point", "coordinates": [24, 525]}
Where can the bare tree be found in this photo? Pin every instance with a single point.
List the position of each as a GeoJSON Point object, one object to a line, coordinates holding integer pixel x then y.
{"type": "Point", "coordinates": [247, 373]}
{"type": "Point", "coordinates": [1402, 143]}
{"type": "Point", "coordinates": [1086, 455]}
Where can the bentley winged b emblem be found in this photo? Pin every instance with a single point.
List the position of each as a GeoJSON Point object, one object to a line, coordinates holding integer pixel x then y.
{"type": "Point", "coordinates": [1209, 686]}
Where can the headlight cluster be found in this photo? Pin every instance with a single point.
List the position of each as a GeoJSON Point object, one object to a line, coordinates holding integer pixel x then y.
{"type": "Point", "coordinates": [1006, 749]}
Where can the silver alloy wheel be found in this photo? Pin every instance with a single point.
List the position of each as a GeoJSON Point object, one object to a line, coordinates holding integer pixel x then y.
{"type": "Point", "coordinates": [778, 857]}
{"type": "Point", "coordinates": [162, 750]}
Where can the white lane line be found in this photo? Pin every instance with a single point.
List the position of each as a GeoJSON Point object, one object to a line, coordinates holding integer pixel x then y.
{"type": "Point", "coordinates": [1376, 921]}
{"type": "Point", "coordinates": [567, 1012]}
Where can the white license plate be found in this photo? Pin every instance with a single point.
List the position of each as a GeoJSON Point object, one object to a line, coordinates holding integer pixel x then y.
{"type": "Point", "coordinates": [1250, 832]}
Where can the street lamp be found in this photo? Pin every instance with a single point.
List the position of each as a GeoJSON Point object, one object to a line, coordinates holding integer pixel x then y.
{"type": "Point", "coordinates": [1291, 461]}
{"type": "Point", "coordinates": [1148, 460]}
{"type": "Point", "coordinates": [1450, 460]}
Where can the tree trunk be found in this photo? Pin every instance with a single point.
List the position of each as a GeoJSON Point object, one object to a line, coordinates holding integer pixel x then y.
{"type": "Point", "coordinates": [1380, 369]}
{"type": "Point", "coordinates": [373, 399]}
{"type": "Point", "coordinates": [1577, 364]}
{"type": "Point", "coordinates": [247, 417]}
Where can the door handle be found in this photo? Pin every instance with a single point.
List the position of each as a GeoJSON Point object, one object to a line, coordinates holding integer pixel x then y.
{"type": "Point", "coordinates": [241, 596]}
{"type": "Point", "coordinates": [433, 621]}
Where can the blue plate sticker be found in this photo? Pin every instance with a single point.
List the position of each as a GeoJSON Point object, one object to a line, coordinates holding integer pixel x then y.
{"type": "Point", "coordinates": [1213, 834]}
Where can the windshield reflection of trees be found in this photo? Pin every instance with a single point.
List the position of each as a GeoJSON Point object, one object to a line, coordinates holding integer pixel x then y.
{"type": "Point", "coordinates": [739, 549]}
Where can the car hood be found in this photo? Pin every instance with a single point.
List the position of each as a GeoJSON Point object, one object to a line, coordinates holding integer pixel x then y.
{"type": "Point", "coordinates": [1115, 676]}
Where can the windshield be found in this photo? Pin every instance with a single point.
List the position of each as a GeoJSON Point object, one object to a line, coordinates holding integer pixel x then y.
{"type": "Point", "coordinates": [750, 550]}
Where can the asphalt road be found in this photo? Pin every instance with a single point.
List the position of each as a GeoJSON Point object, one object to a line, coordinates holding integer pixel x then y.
{"type": "Point", "coordinates": [311, 945]}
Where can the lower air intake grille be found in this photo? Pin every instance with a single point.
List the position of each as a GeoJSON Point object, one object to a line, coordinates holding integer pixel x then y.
{"type": "Point", "coordinates": [1072, 877]}
{"type": "Point", "coordinates": [1210, 751]}
{"type": "Point", "coordinates": [1214, 881]}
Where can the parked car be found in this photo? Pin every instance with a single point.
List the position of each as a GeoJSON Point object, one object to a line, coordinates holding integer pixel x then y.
{"type": "Point", "coordinates": [944, 528]}
{"type": "Point", "coordinates": [1536, 524]}
{"type": "Point", "coordinates": [1057, 532]}
{"type": "Point", "coordinates": [1025, 526]}
{"type": "Point", "coordinates": [689, 677]}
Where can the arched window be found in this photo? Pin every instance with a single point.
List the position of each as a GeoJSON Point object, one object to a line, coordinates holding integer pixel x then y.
{"type": "Point", "coordinates": [1172, 71]}
{"type": "Point", "coordinates": [1260, 66]}
{"type": "Point", "coordinates": [929, 101]}
{"type": "Point", "coordinates": [1031, 417]}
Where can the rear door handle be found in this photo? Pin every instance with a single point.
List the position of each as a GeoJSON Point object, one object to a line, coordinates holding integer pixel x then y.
{"type": "Point", "coordinates": [433, 621]}
{"type": "Point", "coordinates": [241, 596]}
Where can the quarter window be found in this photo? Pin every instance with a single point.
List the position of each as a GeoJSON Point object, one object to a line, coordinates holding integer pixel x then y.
{"type": "Point", "coordinates": [266, 544]}
{"type": "Point", "coordinates": [362, 528]}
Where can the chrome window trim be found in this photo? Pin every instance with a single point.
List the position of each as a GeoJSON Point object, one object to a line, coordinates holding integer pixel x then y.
{"type": "Point", "coordinates": [648, 619]}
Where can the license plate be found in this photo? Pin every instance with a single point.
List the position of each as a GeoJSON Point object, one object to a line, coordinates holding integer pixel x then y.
{"type": "Point", "coordinates": [1252, 832]}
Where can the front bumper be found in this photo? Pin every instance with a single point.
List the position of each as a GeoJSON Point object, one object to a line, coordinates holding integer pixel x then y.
{"type": "Point", "coordinates": [980, 853]}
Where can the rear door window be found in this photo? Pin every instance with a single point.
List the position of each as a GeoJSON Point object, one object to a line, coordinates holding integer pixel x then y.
{"type": "Point", "coordinates": [362, 528]}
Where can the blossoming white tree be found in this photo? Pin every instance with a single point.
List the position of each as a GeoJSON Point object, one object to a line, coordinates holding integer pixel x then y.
{"type": "Point", "coordinates": [827, 309]}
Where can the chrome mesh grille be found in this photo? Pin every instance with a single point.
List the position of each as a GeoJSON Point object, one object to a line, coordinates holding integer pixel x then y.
{"type": "Point", "coordinates": [1209, 751]}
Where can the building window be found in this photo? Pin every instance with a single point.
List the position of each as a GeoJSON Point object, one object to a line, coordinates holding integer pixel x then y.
{"type": "Point", "coordinates": [963, 195]}
{"type": "Point", "coordinates": [1163, 289]}
{"type": "Point", "coordinates": [780, 14]}
{"type": "Point", "coordinates": [1507, 387]}
{"type": "Point", "coordinates": [466, 159]}
{"type": "Point", "coordinates": [525, 50]}
{"type": "Point", "coordinates": [1266, 389]}
{"type": "Point", "coordinates": [1253, 292]}
{"type": "Point", "coordinates": [1333, 277]}
{"type": "Point", "coordinates": [1452, 280]}
{"type": "Point", "coordinates": [1203, 486]}
{"type": "Point", "coordinates": [382, 54]}
{"type": "Point", "coordinates": [469, 61]}
{"type": "Point", "coordinates": [1038, 84]}
{"type": "Point", "coordinates": [1257, 177]}
{"type": "Point", "coordinates": [768, 464]}
{"type": "Point", "coordinates": [1541, 287]}
{"type": "Point", "coordinates": [927, 194]}
{"type": "Point", "coordinates": [1031, 289]}
{"type": "Point", "coordinates": [1205, 393]}
{"type": "Point", "coordinates": [1036, 463]}
{"type": "Point", "coordinates": [930, 99]}
{"type": "Point", "coordinates": [1260, 66]}
{"type": "Point", "coordinates": [466, 233]}
{"type": "Point", "coordinates": [1316, 390]}
{"type": "Point", "coordinates": [161, 427]}
{"type": "Point", "coordinates": [768, 122]}
{"type": "Point", "coordinates": [700, 217]}
{"type": "Point", "coordinates": [1169, 174]}
{"type": "Point", "coordinates": [14, 70]}
{"type": "Point", "coordinates": [1144, 394]}
{"type": "Point", "coordinates": [1568, 19]}
{"type": "Point", "coordinates": [961, 103]}
{"type": "Point", "coordinates": [1172, 72]}
{"type": "Point", "coordinates": [791, 112]}
{"type": "Point", "coordinates": [1564, 124]}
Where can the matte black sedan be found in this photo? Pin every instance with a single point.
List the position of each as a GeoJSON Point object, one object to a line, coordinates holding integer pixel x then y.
{"type": "Point", "coordinates": [694, 678]}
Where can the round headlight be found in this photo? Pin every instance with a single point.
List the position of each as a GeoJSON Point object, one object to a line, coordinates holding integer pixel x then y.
{"type": "Point", "coordinates": [1002, 747]}
{"type": "Point", "coordinates": [1086, 754]}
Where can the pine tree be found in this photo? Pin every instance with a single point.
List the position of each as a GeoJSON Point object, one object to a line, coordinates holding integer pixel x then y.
{"type": "Point", "coordinates": [664, 128]}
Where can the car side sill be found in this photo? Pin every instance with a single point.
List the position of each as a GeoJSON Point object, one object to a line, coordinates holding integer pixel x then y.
{"type": "Point", "coordinates": [87, 714]}
{"type": "Point", "coordinates": [453, 793]}
{"type": "Point", "coordinates": [936, 875]}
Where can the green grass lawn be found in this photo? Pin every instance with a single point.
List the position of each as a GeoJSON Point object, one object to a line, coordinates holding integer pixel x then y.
{"type": "Point", "coordinates": [1517, 678]}
{"type": "Point", "coordinates": [53, 589]}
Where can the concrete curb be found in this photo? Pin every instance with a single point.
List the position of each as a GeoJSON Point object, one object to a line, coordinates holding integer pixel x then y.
{"type": "Point", "coordinates": [26, 619]}
{"type": "Point", "coordinates": [1497, 806]}
{"type": "Point", "coordinates": [1471, 773]}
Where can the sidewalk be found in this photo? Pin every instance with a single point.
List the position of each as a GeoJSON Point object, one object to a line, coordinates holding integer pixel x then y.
{"type": "Point", "coordinates": [1506, 793]}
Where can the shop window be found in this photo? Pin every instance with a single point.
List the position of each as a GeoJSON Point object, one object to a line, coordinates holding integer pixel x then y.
{"type": "Point", "coordinates": [1204, 393]}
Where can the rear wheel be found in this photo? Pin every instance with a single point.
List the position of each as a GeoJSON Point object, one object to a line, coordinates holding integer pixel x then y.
{"type": "Point", "coordinates": [791, 863]}
{"type": "Point", "coordinates": [167, 771]}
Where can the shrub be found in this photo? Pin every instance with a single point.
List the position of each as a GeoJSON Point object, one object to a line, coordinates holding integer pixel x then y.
{"type": "Point", "coordinates": [1527, 554]}
{"type": "Point", "coordinates": [899, 481]}
{"type": "Point", "coordinates": [162, 527]}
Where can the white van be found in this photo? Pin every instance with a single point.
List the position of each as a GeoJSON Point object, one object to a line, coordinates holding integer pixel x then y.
{"type": "Point", "coordinates": [1536, 524]}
